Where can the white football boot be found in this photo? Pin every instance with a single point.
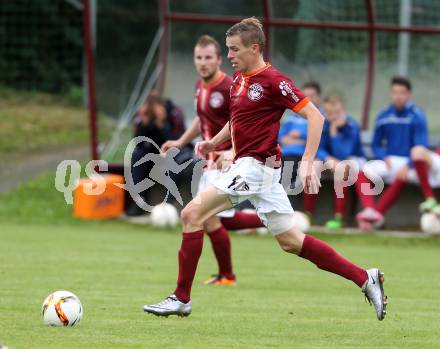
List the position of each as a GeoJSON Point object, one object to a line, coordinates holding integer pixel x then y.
{"type": "Point", "coordinates": [169, 306]}
{"type": "Point", "coordinates": [373, 290]}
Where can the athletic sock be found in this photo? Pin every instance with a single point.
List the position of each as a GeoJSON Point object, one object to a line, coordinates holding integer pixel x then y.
{"type": "Point", "coordinates": [363, 185]}
{"type": "Point", "coordinates": [309, 202]}
{"type": "Point", "coordinates": [221, 244]}
{"type": "Point", "coordinates": [189, 254]}
{"type": "Point", "coordinates": [341, 202]}
{"type": "Point", "coordinates": [422, 172]}
{"type": "Point", "coordinates": [389, 196]}
{"type": "Point", "coordinates": [326, 258]}
{"type": "Point", "coordinates": [242, 220]}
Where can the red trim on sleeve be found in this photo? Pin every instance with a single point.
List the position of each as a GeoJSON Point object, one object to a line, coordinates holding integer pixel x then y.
{"type": "Point", "coordinates": [301, 104]}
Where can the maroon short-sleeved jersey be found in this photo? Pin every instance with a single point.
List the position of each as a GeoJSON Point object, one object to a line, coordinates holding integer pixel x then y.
{"type": "Point", "coordinates": [212, 107]}
{"type": "Point", "coordinates": [258, 101]}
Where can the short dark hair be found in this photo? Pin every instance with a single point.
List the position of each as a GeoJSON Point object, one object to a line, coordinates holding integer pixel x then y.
{"type": "Point", "coordinates": [402, 81]}
{"type": "Point", "coordinates": [314, 85]}
{"type": "Point", "coordinates": [206, 40]}
{"type": "Point", "coordinates": [251, 32]}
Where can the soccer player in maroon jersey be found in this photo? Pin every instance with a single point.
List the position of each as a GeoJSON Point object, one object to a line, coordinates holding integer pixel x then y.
{"type": "Point", "coordinates": [212, 106]}
{"type": "Point", "coordinates": [259, 96]}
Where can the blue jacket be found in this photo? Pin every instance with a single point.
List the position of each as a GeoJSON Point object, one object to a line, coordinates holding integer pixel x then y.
{"type": "Point", "coordinates": [346, 143]}
{"type": "Point", "coordinates": [396, 132]}
{"type": "Point", "coordinates": [295, 122]}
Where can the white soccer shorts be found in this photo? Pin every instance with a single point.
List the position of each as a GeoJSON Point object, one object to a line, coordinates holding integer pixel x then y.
{"type": "Point", "coordinates": [208, 177]}
{"type": "Point", "coordinates": [249, 179]}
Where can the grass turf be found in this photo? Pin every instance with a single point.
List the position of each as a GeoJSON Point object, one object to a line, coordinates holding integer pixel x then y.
{"type": "Point", "coordinates": [32, 122]}
{"type": "Point", "coordinates": [281, 301]}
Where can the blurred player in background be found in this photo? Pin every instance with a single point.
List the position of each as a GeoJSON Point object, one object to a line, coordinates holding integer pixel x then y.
{"type": "Point", "coordinates": [259, 96]}
{"type": "Point", "coordinates": [212, 107]}
{"type": "Point", "coordinates": [400, 141]}
{"type": "Point", "coordinates": [292, 139]}
{"type": "Point", "coordinates": [341, 140]}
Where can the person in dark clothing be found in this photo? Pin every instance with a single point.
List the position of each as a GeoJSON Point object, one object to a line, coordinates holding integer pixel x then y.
{"type": "Point", "coordinates": [160, 120]}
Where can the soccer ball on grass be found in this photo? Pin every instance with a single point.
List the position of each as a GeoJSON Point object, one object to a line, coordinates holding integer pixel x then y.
{"type": "Point", "coordinates": [62, 308]}
{"type": "Point", "coordinates": [164, 215]}
{"type": "Point", "coordinates": [430, 223]}
{"type": "Point", "coordinates": [301, 221]}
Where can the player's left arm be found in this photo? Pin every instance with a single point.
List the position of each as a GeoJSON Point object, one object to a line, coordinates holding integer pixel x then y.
{"type": "Point", "coordinates": [287, 95]}
{"type": "Point", "coordinates": [308, 175]}
{"type": "Point", "coordinates": [315, 122]}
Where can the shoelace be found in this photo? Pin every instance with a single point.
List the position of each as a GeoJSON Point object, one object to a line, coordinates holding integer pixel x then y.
{"type": "Point", "coordinates": [367, 299]}
{"type": "Point", "coordinates": [167, 300]}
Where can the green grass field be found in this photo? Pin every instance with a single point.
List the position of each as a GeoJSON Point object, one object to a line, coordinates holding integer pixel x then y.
{"type": "Point", "coordinates": [281, 301]}
{"type": "Point", "coordinates": [33, 121]}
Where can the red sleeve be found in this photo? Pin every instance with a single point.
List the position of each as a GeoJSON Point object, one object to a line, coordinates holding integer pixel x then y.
{"type": "Point", "coordinates": [287, 95]}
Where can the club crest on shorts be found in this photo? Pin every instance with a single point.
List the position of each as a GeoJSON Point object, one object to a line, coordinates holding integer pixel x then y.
{"type": "Point", "coordinates": [255, 91]}
{"type": "Point", "coordinates": [286, 89]}
{"type": "Point", "coordinates": [238, 184]}
{"type": "Point", "coordinates": [216, 99]}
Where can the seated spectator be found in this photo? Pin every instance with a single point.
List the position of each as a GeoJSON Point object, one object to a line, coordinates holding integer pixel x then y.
{"type": "Point", "coordinates": [400, 142]}
{"type": "Point", "coordinates": [160, 120]}
{"type": "Point", "coordinates": [340, 141]}
{"type": "Point", "coordinates": [292, 138]}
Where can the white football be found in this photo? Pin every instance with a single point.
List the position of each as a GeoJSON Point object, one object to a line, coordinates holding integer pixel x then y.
{"type": "Point", "coordinates": [62, 308]}
{"type": "Point", "coordinates": [430, 223]}
{"type": "Point", "coordinates": [301, 221]}
{"type": "Point", "coordinates": [164, 215]}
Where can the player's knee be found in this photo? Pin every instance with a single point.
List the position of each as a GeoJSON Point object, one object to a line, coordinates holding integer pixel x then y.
{"type": "Point", "coordinates": [290, 247]}
{"type": "Point", "coordinates": [212, 224]}
{"type": "Point", "coordinates": [419, 152]}
{"type": "Point", "coordinates": [291, 241]}
{"type": "Point", "coordinates": [190, 215]}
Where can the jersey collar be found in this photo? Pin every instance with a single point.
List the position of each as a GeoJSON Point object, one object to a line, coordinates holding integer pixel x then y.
{"type": "Point", "coordinates": [406, 108]}
{"type": "Point", "coordinates": [215, 82]}
{"type": "Point", "coordinates": [255, 72]}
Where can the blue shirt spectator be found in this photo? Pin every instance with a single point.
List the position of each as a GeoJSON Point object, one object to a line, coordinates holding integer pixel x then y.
{"type": "Point", "coordinates": [398, 130]}
{"type": "Point", "coordinates": [345, 143]}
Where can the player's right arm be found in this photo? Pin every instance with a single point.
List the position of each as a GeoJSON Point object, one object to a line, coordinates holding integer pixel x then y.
{"type": "Point", "coordinates": [205, 147]}
{"type": "Point", "coordinates": [192, 132]}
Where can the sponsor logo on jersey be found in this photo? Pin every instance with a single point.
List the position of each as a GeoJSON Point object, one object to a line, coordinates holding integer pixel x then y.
{"type": "Point", "coordinates": [216, 99]}
{"type": "Point", "coordinates": [255, 92]}
{"type": "Point", "coordinates": [286, 89]}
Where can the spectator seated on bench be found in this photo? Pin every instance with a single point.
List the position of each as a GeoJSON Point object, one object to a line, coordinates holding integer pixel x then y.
{"type": "Point", "coordinates": [400, 142]}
